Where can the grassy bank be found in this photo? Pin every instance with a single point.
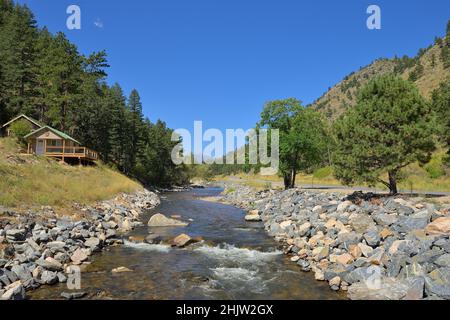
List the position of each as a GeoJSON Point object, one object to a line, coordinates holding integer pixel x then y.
{"type": "Point", "coordinates": [435, 177]}
{"type": "Point", "coordinates": [37, 181]}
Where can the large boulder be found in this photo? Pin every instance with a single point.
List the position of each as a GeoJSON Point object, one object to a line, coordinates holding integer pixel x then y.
{"type": "Point", "coordinates": [416, 221]}
{"type": "Point", "coordinates": [160, 220]}
{"type": "Point", "coordinates": [440, 226]}
{"type": "Point", "coordinates": [182, 241]}
{"type": "Point", "coordinates": [386, 289]}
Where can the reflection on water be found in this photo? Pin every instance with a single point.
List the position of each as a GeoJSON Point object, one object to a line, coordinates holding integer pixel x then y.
{"type": "Point", "coordinates": [237, 260]}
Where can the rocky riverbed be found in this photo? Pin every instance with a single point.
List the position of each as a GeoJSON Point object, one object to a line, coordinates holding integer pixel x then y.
{"type": "Point", "coordinates": [394, 248]}
{"type": "Point", "coordinates": [42, 248]}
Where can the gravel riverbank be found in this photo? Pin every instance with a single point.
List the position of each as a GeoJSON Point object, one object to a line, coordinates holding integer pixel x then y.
{"type": "Point", "coordinates": [394, 248]}
{"type": "Point", "coordinates": [41, 248]}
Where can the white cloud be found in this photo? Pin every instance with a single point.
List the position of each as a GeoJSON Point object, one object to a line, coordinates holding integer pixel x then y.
{"type": "Point", "coordinates": [98, 23]}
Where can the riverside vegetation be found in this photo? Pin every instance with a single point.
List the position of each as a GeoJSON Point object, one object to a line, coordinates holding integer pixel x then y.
{"type": "Point", "coordinates": [341, 239]}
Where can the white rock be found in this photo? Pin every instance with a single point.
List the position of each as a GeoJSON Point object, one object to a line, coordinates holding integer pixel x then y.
{"type": "Point", "coordinates": [159, 220]}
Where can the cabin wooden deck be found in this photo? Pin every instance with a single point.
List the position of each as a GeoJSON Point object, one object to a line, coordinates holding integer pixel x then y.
{"type": "Point", "coordinates": [80, 153]}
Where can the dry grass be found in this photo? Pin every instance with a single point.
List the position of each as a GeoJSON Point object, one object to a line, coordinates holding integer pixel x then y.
{"type": "Point", "coordinates": [416, 178]}
{"type": "Point", "coordinates": [34, 181]}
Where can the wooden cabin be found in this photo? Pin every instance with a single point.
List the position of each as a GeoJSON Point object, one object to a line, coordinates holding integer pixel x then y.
{"type": "Point", "coordinates": [49, 142]}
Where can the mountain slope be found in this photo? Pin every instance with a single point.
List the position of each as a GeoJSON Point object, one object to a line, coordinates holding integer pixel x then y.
{"type": "Point", "coordinates": [426, 70]}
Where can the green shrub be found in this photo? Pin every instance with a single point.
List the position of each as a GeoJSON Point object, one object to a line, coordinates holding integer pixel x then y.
{"type": "Point", "coordinates": [323, 173]}
{"type": "Point", "coordinates": [20, 129]}
{"type": "Point", "coordinates": [435, 168]}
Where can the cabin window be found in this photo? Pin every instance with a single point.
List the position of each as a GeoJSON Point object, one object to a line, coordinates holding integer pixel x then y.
{"type": "Point", "coordinates": [54, 143]}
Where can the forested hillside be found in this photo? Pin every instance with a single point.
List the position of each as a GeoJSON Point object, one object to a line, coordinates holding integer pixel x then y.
{"type": "Point", "coordinates": [44, 76]}
{"type": "Point", "coordinates": [428, 69]}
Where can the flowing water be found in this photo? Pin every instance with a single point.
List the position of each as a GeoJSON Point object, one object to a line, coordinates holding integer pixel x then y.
{"type": "Point", "coordinates": [237, 260]}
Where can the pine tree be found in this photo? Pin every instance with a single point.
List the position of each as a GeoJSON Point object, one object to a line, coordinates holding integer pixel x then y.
{"type": "Point", "coordinates": [118, 125]}
{"type": "Point", "coordinates": [17, 42]}
{"type": "Point", "coordinates": [135, 130]}
{"type": "Point", "coordinates": [391, 126]}
{"type": "Point", "coordinates": [61, 75]}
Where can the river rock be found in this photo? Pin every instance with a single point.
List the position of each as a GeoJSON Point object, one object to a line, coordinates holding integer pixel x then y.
{"type": "Point", "coordinates": [253, 216]}
{"type": "Point", "coordinates": [79, 256]}
{"type": "Point", "coordinates": [50, 264]}
{"type": "Point", "coordinates": [93, 243]}
{"type": "Point", "coordinates": [385, 219]}
{"type": "Point", "coordinates": [73, 295]}
{"type": "Point", "coordinates": [345, 259]}
{"type": "Point", "coordinates": [121, 270]}
{"type": "Point", "coordinates": [362, 222]}
{"type": "Point", "coordinates": [14, 291]}
{"type": "Point", "coordinates": [414, 222]}
{"type": "Point", "coordinates": [319, 275]}
{"type": "Point", "coordinates": [377, 256]}
{"type": "Point", "coordinates": [386, 289]}
{"type": "Point", "coordinates": [437, 287]}
{"type": "Point", "coordinates": [396, 245]}
{"type": "Point", "coordinates": [444, 260]}
{"type": "Point", "coordinates": [320, 253]}
{"type": "Point", "coordinates": [416, 289]}
{"type": "Point", "coordinates": [49, 277]}
{"type": "Point", "coordinates": [304, 229]}
{"type": "Point", "coordinates": [22, 272]}
{"type": "Point", "coordinates": [440, 226]}
{"type": "Point", "coordinates": [355, 251]}
{"type": "Point", "coordinates": [385, 233]}
{"type": "Point", "coordinates": [335, 283]}
{"type": "Point", "coordinates": [372, 237]}
{"type": "Point", "coordinates": [56, 245]}
{"type": "Point", "coordinates": [343, 206]}
{"type": "Point", "coordinates": [349, 238]}
{"type": "Point", "coordinates": [153, 239]}
{"type": "Point", "coordinates": [182, 241]}
{"type": "Point", "coordinates": [15, 235]}
{"type": "Point", "coordinates": [365, 249]}
{"type": "Point", "coordinates": [61, 277]}
{"type": "Point", "coordinates": [159, 220]}
{"type": "Point", "coordinates": [304, 265]}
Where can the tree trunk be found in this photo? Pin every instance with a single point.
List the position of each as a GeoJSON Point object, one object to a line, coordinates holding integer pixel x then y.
{"type": "Point", "coordinates": [293, 174]}
{"type": "Point", "coordinates": [287, 180]}
{"type": "Point", "coordinates": [393, 182]}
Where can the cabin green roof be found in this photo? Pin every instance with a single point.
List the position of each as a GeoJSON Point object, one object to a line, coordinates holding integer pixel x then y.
{"type": "Point", "coordinates": [57, 132]}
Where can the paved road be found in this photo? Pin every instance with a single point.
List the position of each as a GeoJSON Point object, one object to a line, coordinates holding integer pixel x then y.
{"type": "Point", "coordinates": [279, 184]}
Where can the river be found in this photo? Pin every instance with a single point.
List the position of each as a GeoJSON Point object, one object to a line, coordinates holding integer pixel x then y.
{"type": "Point", "coordinates": [237, 260]}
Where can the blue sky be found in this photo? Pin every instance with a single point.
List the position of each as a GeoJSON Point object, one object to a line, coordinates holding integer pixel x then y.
{"type": "Point", "coordinates": [219, 61]}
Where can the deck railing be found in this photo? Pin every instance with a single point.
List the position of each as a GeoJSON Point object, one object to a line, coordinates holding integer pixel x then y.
{"type": "Point", "coordinates": [77, 152]}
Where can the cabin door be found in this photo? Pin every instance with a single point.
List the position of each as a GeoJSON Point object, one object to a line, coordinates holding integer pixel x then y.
{"type": "Point", "coordinates": [40, 147]}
